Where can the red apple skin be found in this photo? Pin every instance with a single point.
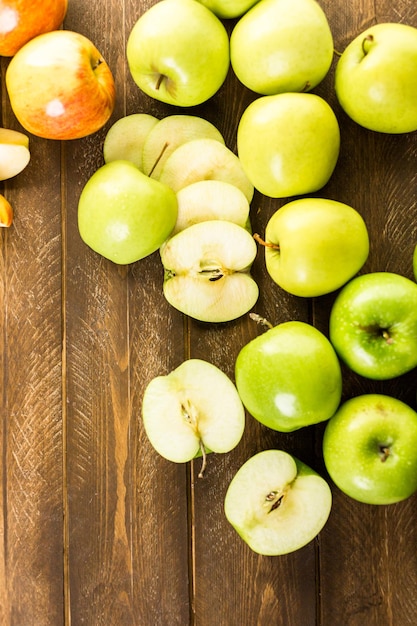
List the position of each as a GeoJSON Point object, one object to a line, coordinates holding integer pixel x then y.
{"type": "Point", "coordinates": [22, 20]}
{"type": "Point", "coordinates": [60, 87]}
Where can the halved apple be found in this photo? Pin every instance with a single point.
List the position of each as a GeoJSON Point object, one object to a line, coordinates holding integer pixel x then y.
{"type": "Point", "coordinates": [193, 410]}
{"type": "Point", "coordinates": [14, 152]}
{"type": "Point", "coordinates": [6, 212]}
{"type": "Point", "coordinates": [207, 271]}
{"type": "Point", "coordinates": [126, 137]}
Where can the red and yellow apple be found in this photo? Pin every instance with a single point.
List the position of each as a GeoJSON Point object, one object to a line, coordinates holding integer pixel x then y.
{"type": "Point", "coordinates": [22, 20]}
{"type": "Point", "coordinates": [60, 87]}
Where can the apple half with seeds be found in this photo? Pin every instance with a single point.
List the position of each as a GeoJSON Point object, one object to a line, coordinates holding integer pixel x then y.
{"type": "Point", "coordinates": [207, 271]}
{"type": "Point", "coordinates": [276, 503]}
{"type": "Point", "coordinates": [193, 410]}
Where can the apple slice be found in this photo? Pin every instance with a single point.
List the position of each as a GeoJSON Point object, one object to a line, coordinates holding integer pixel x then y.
{"type": "Point", "coordinates": [170, 133]}
{"type": "Point", "coordinates": [14, 152]}
{"type": "Point", "coordinates": [276, 503]}
{"type": "Point", "coordinates": [6, 212]}
{"type": "Point", "coordinates": [205, 159]}
{"type": "Point", "coordinates": [211, 200]}
{"type": "Point", "coordinates": [207, 271]}
{"type": "Point", "coordinates": [193, 410]}
{"type": "Point", "coordinates": [125, 139]}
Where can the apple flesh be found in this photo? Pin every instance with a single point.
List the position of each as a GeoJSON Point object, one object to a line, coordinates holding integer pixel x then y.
{"type": "Point", "coordinates": [123, 214]}
{"type": "Point", "coordinates": [289, 377]}
{"type": "Point", "coordinates": [207, 271]}
{"type": "Point", "coordinates": [288, 143]}
{"type": "Point", "coordinates": [313, 246]}
{"type": "Point", "coordinates": [373, 325]}
{"type": "Point", "coordinates": [370, 449]}
{"type": "Point", "coordinates": [60, 87]}
{"type": "Point", "coordinates": [193, 410]}
{"type": "Point", "coordinates": [14, 152]}
{"type": "Point", "coordinates": [282, 45]}
{"type": "Point", "coordinates": [178, 52]}
{"type": "Point", "coordinates": [276, 503]}
{"type": "Point", "coordinates": [22, 21]}
{"type": "Point", "coordinates": [125, 138]}
{"type": "Point", "coordinates": [376, 81]}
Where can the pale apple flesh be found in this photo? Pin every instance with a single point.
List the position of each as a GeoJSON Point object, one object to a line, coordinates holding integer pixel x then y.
{"type": "Point", "coordinates": [14, 152]}
{"type": "Point", "coordinates": [193, 410]}
{"type": "Point", "coordinates": [125, 138]}
{"type": "Point", "coordinates": [276, 503]}
{"type": "Point", "coordinates": [207, 271]}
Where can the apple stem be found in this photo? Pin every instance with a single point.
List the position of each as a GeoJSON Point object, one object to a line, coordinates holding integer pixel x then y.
{"type": "Point", "coordinates": [384, 453]}
{"type": "Point", "coordinates": [204, 463]}
{"type": "Point", "coordinates": [368, 39]}
{"type": "Point", "coordinates": [264, 243]}
{"type": "Point", "coordinates": [387, 337]}
{"type": "Point", "coordinates": [261, 320]}
{"type": "Point", "coordinates": [161, 77]}
{"type": "Point", "coordinates": [165, 146]}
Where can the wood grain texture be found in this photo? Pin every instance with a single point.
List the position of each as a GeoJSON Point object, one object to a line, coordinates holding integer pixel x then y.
{"type": "Point", "coordinates": [95, 528]}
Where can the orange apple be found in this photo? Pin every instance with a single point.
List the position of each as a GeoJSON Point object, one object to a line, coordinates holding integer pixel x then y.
{"type": "Point", "coordinates": [60, 87]}
{"type": "Point", "coordinates": [21, 20]}
{"type": "Point", "coordinates": [6, 212]}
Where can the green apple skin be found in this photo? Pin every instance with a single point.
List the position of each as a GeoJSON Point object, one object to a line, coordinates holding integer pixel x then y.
{"type": "Point", "coordinates": [178, 52]}
{"type": "Point", "coordinates": [288, 143]}
{"type": "Point", "coordinates": [376, 79]}
{"type": "Point", "coordinates": [228, 9]}
{"type": "Point", "coordinates": [282, 45]}
{"type": "Point", "coordinates": [415, 262]}
{"type": "Point", "coordinates": [373, 325]}
{"type": "Point", "coordinates": [289, 377]}
{"type": "Point", "coordinates": [123, 214]}
{"type": "Point", "coordinates": [276, 503]}
{"type": "Point", "coordinates": [315, 245]}
{"type": "Point", "coordinates": [370, 449]}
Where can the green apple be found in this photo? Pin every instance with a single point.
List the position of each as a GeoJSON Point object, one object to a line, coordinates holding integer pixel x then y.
{"type": "Point", "coordinates": [415, 262]}
{"type": "Point", "coordinates": [125, 138]}
{"type": "Point", "coordinates": [193, 410]}
{"type": "Point", "coordinates": [288, 143]}
{"type": "Point", "coordinates": [171, 132]}
{"type": "Point", "coordinates": [276, 503]}
{"type": "Point", "coordinates": [314, 246]}
{"type": "Point", "coordinates": [207, 271]}
{"type": "Point", "coordinates": [370, 449]}
{"type": "Point", "coordinates": [211, 200]}
{"type": "Point", "coordinates": [123, 214]}
{"type": "Point", "coordinates": [282, 45]}
{"type": "Point", "coordinates": [289, 377]}
{"type": "Point", "coordinates": [14, 152]}
{"type": "Point", "coordinates": [178, 52]}
{"type": "Point", "coordinates": [373, 325]}
{"type": "Point", "coordinates": [205, 159]}
{"type": "Point", "coordinates": [376, 79]}
{"type": "Point", "coordinates": [228, 9]}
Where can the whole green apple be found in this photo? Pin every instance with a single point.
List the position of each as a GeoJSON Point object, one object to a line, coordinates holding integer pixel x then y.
{"type": "Point", "coordinates": [228, 9]}
{"type": "Point", "coordinates": [288, 143]}
{"type": "Point", "coordinates": [289, 377]}
{"type": "Point", "coordinates": [178, 52]}
{"type": "Point", "coordinates": [373, 325]}
{"type": "Point", "coordinates": [370, 449]}
{"type": "Point", "coordinates": [282, 45]}
{"type": "Point", "coordinates": [123, 214]}
{"type": "Point", "coordinates": [314, 246]}
{"type": "Point", "coordinates": [376, 78]}
{"type": "Point", "coordinates": [276, 503]}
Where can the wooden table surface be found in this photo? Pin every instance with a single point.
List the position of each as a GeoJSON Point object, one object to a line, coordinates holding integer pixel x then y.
{"type": "Point", "coordinates": [95, 527]}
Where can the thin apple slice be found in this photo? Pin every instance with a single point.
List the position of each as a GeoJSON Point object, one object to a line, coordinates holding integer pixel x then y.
{"type": "Point", "coordinates": [207, 271]}
{"type": "Point", "coordinates": [193, 410]}
{"type": "Point", "coordinates": [211, 200]}
{"type": "Point", "coordinates": [276, 503]}
{"type": "Point", "coordinates": [126, 137]}
{"type": "Point", "coordinates": [6, 212]}
{"type": "Point", "coordinates": [170, 133]}
{"type": "Point", "coordinates": [14, 152]}
{"type": "Point", "coordinates": [205, 159]}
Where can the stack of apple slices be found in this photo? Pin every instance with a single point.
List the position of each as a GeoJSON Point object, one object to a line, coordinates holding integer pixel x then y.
{"type": "Point", "coordinates": [209, 253]}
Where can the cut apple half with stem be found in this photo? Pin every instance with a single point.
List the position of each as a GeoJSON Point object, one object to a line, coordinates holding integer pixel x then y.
{"type": "Point", "coordinates": [276, 503]}
{"type": "Point", "coordinates": [14, 152]}
{"type": "Point", "coordinates": [193, 410]}
{"type": "Point", "coordinates": [205, 159]}
{"type": "Point", "coordinates": [207, 271]}
{"type": "Point", "coordinates": [170, 133]}
{"type": "Point", "coordinates": [125, 139]}
{"type": "Point", "coordinates": [211, 200]}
